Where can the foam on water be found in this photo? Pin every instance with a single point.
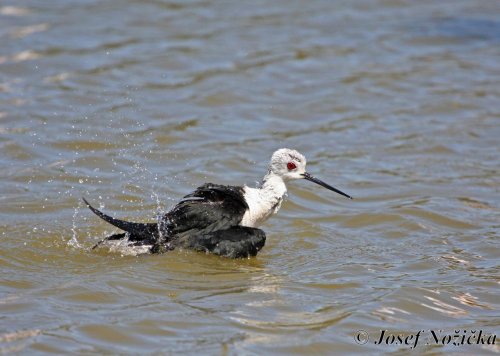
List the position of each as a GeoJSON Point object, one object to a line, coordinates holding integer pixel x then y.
{"type": "Point", "coordinates": [124, 247]}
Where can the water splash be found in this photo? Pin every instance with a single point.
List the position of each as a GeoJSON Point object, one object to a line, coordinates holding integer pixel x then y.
{"type": "Point", "coordinates": [73, 242]}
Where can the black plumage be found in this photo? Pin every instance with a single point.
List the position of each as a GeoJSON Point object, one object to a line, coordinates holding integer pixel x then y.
{"type": "Point", "coordinates": [206, 220]}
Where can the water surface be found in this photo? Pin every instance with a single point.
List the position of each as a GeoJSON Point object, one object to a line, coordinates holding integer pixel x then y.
{"type": "Point", "coordinates": [133, 104]}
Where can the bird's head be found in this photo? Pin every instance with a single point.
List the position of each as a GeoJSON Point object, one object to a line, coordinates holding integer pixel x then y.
{"type": "Point", "coordinates": [290, 164]}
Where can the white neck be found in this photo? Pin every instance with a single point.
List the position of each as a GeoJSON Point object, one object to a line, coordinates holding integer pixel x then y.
{"type": "Point", "coordinates": [264, 201]}
{"type": "Point", "coordinates": [273, 185]}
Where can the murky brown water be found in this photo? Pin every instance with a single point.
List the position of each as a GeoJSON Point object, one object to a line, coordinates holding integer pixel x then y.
{"type": "Point", "coordinates": [133, 104]}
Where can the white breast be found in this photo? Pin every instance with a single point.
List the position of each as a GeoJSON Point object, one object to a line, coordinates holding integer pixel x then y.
{"type": "Point", "coordinates": [262, 204]}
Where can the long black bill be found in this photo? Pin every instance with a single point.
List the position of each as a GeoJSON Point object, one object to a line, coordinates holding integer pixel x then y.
{"type": "Point", "coordinates": [323, 184]}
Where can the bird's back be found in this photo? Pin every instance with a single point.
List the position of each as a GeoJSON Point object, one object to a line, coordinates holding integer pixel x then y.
{"type": "Point", "coordinates": [208, 220]}
{"type": "Point", "coordinates": [209, 208]}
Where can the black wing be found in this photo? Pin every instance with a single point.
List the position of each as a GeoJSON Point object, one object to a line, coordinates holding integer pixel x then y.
{"type": "Point", "coordinates": [209, 208]}
{"type": "Point", "coordinates": [143, 233]}
{"type": "Point", "coordinates": [235, 242]}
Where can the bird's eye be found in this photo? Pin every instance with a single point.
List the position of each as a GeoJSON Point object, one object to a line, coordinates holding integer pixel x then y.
{"type": "Point", "coordinates": [291, 166]}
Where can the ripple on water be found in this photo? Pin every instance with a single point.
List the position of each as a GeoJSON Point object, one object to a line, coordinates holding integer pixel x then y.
{"type": "Point", "coordinates": [134, 104]}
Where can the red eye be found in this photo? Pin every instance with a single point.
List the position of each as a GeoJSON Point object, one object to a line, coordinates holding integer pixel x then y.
{"type": "Point", "coordinates": [291, 166]}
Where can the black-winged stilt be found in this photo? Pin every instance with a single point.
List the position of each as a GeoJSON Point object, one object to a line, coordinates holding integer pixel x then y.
{"type": "Point", "coordinates": [219, 219]}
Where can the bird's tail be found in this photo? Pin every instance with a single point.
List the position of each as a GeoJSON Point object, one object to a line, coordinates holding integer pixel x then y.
{"type": "Point", "coordinates": [140, 233]}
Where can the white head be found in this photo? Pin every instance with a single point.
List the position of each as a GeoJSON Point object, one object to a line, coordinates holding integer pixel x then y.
{"type": "Point", "coordinates": [290, 164]}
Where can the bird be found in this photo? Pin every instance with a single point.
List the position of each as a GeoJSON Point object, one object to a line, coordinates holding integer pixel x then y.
{"type": "Point", "coordinates": [220, 219]}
